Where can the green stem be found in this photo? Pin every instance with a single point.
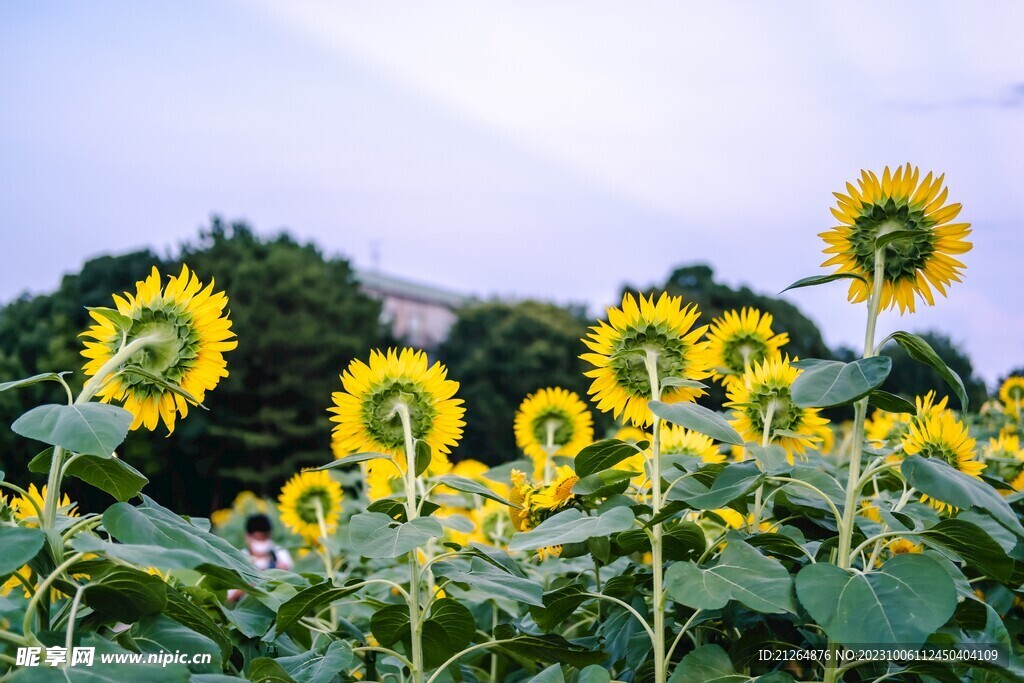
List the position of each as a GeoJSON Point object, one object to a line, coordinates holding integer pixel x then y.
{"type": "Point", "coordinates": [412, 512]}
{"type": "Point", "coordinates": [43, 590]}
{"type": "Point", "coordinates": [657, 566]}
{"type": "Point", "coordinates": [844, 558]}
{"type": "Point", "coordinates": [766, 440]}
{"type": "Point", "coordinates": [71, 624]}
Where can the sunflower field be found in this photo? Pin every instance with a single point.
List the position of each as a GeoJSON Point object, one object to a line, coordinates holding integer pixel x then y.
{"type": "Point", "coordinates": [815, 529]}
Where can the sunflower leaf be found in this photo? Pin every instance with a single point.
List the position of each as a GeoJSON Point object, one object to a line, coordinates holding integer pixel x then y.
{"type": "Point", "coordinates": [34, 379]}
{"type": "Point", "coordinates": [699, 419]}
{"type": "Point", "coordinates": [351, 460]}
{"type": "Point", "coordinates": [921, 351]}
{"type": "Point", "coordinates": [469, 486]}
{"type": "Point", "coordinates": [822, 279]}
{"type": "Point", "coordinates": [90, 428]}
{"type": "Point", "coordinates": [890, 403]}
{"type": "Point", "coordinates": [423, 455]}
{"type": "Point", "coordinates": [681, 382]}
{"type": "Point", "coordinates": [834, 383]}
{"type": "Point", "coordinates": [162, 383]}
{"type": "Point", "coordinates": [121, 321]}
{"type": "Point", "coordinates": [603, 454]}
{"type": "Point", "coordinates": [888, 238]}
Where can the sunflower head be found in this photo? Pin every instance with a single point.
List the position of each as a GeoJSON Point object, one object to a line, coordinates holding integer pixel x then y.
{"type": "Point", "coordinates": [660, 330]}
{"type": "Point", "coordinates": [367, 414]}
{"type": "Point", "coordinates": [551, 422]}
{"type": "Point", "coordinates": [184, 333]}
{"type": "Point", "coordinates": [676, 440]}
{"type": "Point", "coordinates": [739, 339]}
{"type": "Point", "coordinates": [884, 428]}
{"type": "Point", "coordinates": [902, 546]}
{"type": "Point", "coordinates": [1011, 393]}
{"type": "Point", "coordinates": [767, 387]}
{"type": "Point", "coordinates": [307, 498]}
{"type": "Point", "coordinates": [25, 508]}
{"type": "Point", "coordinates": [922, 257]}
{"type": "Point", "coordinates": [940, 435]}
{"type": "Point", "coordinates": [557, 494]}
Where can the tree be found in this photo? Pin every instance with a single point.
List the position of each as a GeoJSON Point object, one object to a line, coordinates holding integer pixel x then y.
{"type": "Point", "coordinates": [299, 317]}
{"type": "Point", "coordinates": [910, 378]}
{"type": "Point", "coordinates": [500, 352]}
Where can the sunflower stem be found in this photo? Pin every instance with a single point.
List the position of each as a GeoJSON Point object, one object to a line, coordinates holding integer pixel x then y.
{"type": "Point", "coordinates": [844, 558]}
{"type": "Point", "coordinates": [325, 554]}
{"type": "Point", "coordinates": [658, 591]}
{"type": "Point", "coordinates": [412, 512]}
{"type": "Point", "coordinates": [766, 440]}
{"type": "Point", "coordinates": [549, 451]}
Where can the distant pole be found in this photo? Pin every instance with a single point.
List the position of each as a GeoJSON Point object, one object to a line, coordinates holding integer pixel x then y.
{"type": "Point", "coordinates": [375, 255]}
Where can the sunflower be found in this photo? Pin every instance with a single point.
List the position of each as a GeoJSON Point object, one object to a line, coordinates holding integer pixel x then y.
{"type": "Point", "coordinates": [676, 440]}
{"type": "Point", "coordinates": [305, 499]}
{"type": "Point", "coordinates": [766, 385]}
{"type": "Point", "coordinates": [367, 414]}
{"type": "Point", "coordinates": [740, 338]}
{"type": "Point", "coordinates": [940, 435]}
{"type": "Point", "coordinates": [884, 428]}
{"type": "Point", "coordinates": [557, 494]}
{"type": "Point", "coordinates": [1011, 393]}
{"type": "Point", "coordinates": [920, 258]}
{"type": "Point", "coordinates": [902, 546]}
{"type": "Point", "coordinates": [188, 333]}
{"type": "Point", "coordinates": [550, 422]}
{"type": "Point", "coordinates": [24, 508]}
{"type": "Point", "coordinates": [620, 347]}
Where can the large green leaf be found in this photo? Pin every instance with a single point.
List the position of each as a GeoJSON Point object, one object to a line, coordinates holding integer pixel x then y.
{"type": "Point", "coordinates": [711, 664]}
{"type": "Point", "coordinates": [573, 526]}
{"type": "Point", "coordinates": [109, 474]}
{"type": "Point", "coordinates": [741, 573]}
{"type": "Point", "coordinates": [20, 544]}
{"type": "Point", "coordinates": [156, 634]}
{"type": "Point", "coordinates": [890, 403]}
{"type": "Point", "coordinates": [449, 628]}
{"type": "Point", "coordinates": [183, 611]}
{"type": "Point", "coordinates": [699, 419]}
{"type": "Point", "coordinates": [733, 482]}
{"type": "Point", "coordinates": [828, 384]}
{"type": "Point", "coordinates": [318, 667]}
{"type": "Point", "coordinates": [267, 670]}
{"type": "Point", "coordinates": [601, 455]}
{"type": "Point", "coordinates": [941, 481]}
{"type": "Point", "coordinates": [309, 600]}
{"type": "Point", "coordinates": [160, 557]}
{"type": "Point", "coordinates": [351, 460]}
{"type": "Point", "coordinates": [772, 458]}
{"type": "Point", "coordinates": [559, 605]}
{"type": "Point", "coordinates": [546, 648]}
{"type": "Point", "coordinates": [470, 486]}
{"type": "Point", "coordinates": [814, 280]}
{"type": "Point", "coordinates": [154, 525]}
{"type": "Point", "coordinates": [901, 604]}
{"type": "Point", "coordinates": [552, 674]}
{"type": "Point", "coordinates": [921, 351]}
{"type": "Point", "coordinates": [125, 594]}
{"type": "Point", "coordinates": [90, 428]}
{"type": "Point", "coordinates": [973, 545]}
{"type": "Point", "coordinates": [491, 581]}
{"type": "Point", "coordinates": [375, 535]}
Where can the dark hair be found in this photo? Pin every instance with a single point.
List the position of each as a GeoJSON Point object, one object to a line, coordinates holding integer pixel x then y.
{"type": "Point", "coordinates": [258, 523]}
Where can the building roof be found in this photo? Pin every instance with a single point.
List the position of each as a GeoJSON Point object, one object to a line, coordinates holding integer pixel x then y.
{"type": "Point", "coordinates": [389, 285]}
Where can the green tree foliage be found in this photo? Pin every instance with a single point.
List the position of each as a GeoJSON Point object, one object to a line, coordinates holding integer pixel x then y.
{"type": "Point", "coordinates": [300, 318]}
{"type": "Point", "coordinates": [500, 352]}
{"type": "Point", "coordinates": [910, 378]}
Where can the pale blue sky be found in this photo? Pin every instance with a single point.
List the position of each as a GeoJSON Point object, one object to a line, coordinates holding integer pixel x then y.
{"type": "Point", "coordinates": [530, 148]}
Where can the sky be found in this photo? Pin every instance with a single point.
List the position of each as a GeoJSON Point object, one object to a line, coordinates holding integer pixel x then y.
{"type": "Point", "coordinates": [545, 149]}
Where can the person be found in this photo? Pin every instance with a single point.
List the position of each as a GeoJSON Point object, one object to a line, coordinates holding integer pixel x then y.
{"type": "Point", "coordinates": [263, 552]}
